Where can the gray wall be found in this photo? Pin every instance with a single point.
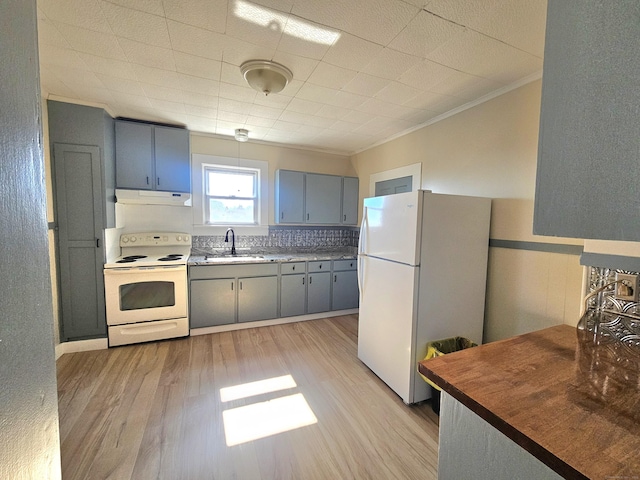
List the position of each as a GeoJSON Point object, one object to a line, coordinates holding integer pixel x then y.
{"type": "Point", "coordinates": [29, 440]}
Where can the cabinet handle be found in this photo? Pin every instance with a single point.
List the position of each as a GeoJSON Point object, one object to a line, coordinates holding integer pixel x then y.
{"type": "Point", "coordinates": [335, 278]}
{"type": "Point", "coordinates": [231, 286]}
{"type": "Point", "coordinates": [240, 285]}
{"type": "Point", "coordinates": [97, 243]}
{"type": "Point", "coordinates": [320, 266]}
{"type": "Point", "coordinates": [303, 280]}
{"type": "Point", "coordinates": [345, 218]}
{"type": "Point", "coordinates": [281, 215]}
{"type": "Point", "coordinates": [158, 183]}
{"type": "Point", "coordinates": [310, 278]}
{"type": "Point", "coordinates": [147, 179]}
{"type": "Point", "coordinates": [293, 268]}
{"type": "Point", "coordinates": [307, 216]}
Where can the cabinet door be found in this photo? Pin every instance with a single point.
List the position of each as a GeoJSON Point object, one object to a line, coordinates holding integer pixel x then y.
{"type": "Point", "coordinates": [78, 200]}
{"type": "Point", "coordinates": [289, 197]}
{"type": "Point", "coordinates": [323, 198]}
{"type": "Point", "coordinates": [345, 290]}
{"type": "Point", "coordinates": [319, 292]}
{"type": "Point", "coordinates": [587, 177]}
{"type": "Point", "coordinates": [257, 298]}
{"type": "Point", "coordinates": [293, 293]}
{"type": "Point", "coordinates": [212, 302]}
{"type": "Point", "coordinates": [134, 156]}
{"type": "Point", "coordinates": [350, 195]}
{"type": "Point", "coordinates": [173, 172]}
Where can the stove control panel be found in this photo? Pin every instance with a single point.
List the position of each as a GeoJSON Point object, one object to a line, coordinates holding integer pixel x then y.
{"type": "Point", "coordinates": [154, 239]}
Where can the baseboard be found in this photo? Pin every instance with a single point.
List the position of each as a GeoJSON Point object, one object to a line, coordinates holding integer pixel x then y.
{"type": "Point", "coordinates": [266, 323]}
{"type": "Point", "coordinates": [81, 346]}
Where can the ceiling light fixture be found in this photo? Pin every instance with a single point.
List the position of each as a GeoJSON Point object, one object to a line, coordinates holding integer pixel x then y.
{"type": "Point", "coordinates": [242, 134]}
{"type": "Point", "coordinates": [266, 76]}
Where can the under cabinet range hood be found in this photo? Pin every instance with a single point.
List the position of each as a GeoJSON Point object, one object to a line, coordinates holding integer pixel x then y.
{"type": "Point", "coordinates": [153, 197]}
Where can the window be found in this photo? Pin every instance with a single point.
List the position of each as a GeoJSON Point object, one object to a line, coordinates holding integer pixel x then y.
{"type": "Point", "coordinates": [231, 195]}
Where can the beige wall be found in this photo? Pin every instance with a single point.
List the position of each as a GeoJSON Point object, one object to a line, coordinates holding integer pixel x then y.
{"type": "Point", "coordinates": [491, 151]}
{"type": "Point", "coordinates": [278, 158]}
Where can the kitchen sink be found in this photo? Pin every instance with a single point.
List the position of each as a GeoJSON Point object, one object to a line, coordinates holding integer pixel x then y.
{"type": "Point", "coordinates": [234, 258]}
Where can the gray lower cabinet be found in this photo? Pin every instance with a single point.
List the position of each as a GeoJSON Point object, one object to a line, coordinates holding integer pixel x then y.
{"type": "Point", "coordinates": [319, 287]}
{"type": "Point", "coordinates": [257, 298]}
{"type": "Point", "coordinates": [213, 302]}
{"type": "Point", "coordinates": [344, 291]}
{"type": "Point", "coordinates": [293, 295]}
{"type": "Point", "coordinates": [224, 294]}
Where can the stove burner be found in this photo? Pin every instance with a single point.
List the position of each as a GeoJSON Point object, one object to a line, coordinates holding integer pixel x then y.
{"type": "Point", "coordinates": [170, 258]}
{"type": "Point", "coordinates": [175, 255]}
{"type": "Point", "coordinates": [133, 257]}
{"type": "Point", "coordinates": [126, 260]}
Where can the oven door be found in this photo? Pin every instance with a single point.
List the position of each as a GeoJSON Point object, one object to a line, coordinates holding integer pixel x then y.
{"type": "Point", "coordinates": [143, 294]}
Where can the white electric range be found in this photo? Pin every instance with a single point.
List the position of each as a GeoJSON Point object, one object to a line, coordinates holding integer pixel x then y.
{"type": "Point", "coordinates": [146, 288]}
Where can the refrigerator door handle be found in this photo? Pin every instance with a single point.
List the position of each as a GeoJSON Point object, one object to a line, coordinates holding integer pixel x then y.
{"type": "Point", "coordinates": [362, 230]}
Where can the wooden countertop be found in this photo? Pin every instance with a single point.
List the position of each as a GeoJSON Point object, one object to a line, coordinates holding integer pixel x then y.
{"type": "Point", "coordinates": [572, 404]}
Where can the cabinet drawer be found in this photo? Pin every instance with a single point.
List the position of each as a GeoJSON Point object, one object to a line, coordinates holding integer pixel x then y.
{"type": "Point", "coordinates": [319, 266]}
{"type": "Point", "coordinates": [291, 268]}
{"type": "Point", "coordinates": [341, 265]}
{"type": "Point", "coordinates": [231, 271]}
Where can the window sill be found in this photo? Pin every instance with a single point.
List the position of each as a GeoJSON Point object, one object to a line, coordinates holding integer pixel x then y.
{"type": "Point", "coordinates": [254, 230]}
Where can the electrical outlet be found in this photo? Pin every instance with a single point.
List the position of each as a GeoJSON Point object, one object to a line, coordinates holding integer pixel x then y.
{"type": "Point", "coordinates": [628, 288]}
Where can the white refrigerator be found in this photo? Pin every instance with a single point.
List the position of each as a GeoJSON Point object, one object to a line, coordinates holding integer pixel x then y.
{"type": "Point", "coordinates": [422, 271]}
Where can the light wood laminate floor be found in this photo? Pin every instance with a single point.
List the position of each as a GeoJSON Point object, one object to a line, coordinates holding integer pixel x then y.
{"type": "Point", "coordinates": [155, 410]}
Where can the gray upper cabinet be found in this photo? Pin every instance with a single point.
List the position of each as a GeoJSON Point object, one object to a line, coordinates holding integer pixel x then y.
{"type": "Point", "coordinates": [588, 176]}
{"type": "Point", "coordinates": [323, 194]}
{"type": "Point", "coordinates": [315, 199]}
{"type": "Point", "coordinates": [289, 197]}
{"type": "Point", "coordinates": [350, 195]}
{"type": "Point", "coordinates": [152, 157]}
{"type": "Point", "coordinates": [83, 167]}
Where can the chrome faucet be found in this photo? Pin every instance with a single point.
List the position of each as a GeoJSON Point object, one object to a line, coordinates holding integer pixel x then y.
{"type": "Point", "coordinates": [233, 240]}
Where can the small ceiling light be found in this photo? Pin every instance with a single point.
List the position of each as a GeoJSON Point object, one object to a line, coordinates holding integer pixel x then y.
{"type": "Point", "coordinates": [266, 76]}
{"type": "Point", "coordinates": [242, 134]}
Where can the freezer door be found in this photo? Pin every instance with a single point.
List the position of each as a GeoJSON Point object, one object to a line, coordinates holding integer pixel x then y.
{"type": "Point", "coordinates": [391, 227]}
{"type": "Point", "coordinates": [386, 329]}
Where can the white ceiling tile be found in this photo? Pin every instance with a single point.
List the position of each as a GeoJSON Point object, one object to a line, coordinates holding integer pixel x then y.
{"type": "Point", "coordinates": [301, 67]}
{"type": "Point", "coordinates": [424, 34]}
{"type": "Point", "coordinates": [236, 51]}
{"type": "Point", "coordinates": [331, 111]}
{"type": "Point", "coordinates": [390, 64]}
{"type": "Point", "coordinates": [300, 105]}
{"type": "Point", "coordinates": [351, 52]}
{"type": "Point", "coordinates": [378, 21]}
{"type": "Point", "coordinates": [463, 12]}
{"type": "Point", "coordinates": [207, 14]}
{"type": "Point", "coordinates": [438, 103]}
{"type": "Point", "coordinates": [229, 105]}
{"type": "Point", "coordinates": [375, 106]}
{"type": "Point", "coordinates": [342, 126]}
{"type": "Point", "coordinates": [426, 74]}
{"type": "Point", "coordinates": [233, 117]}
{"type": "Point", "coordinates": [286, 126]}
{"type": "Point", "coordinates": [162, 93]}
{"type": "Point", "coordinates": [315, 93]}
{"type": "Point", "coordinates": [170, 117]}
{"type": "Point", "coordinates": [122, 85]}
{"type": "Point", "coordinates": [396, 92]}
{"type": "Point", "coordinates": [48, 33]}
{"type": "Point", "coordinates": [346, 99]}
{"type": "Point", "coordinates": [197, 66]}
{"type": "Point", "coordinates": [330, 76]}
{"type": "Point", "coordinates": [255, 24]}
{"type": "Point", "coordinates": [198, 111]}
{"type": "Point", "coordinates": [291, 90]}
{"type": "Point", "coordinates": [108, 66]}
{"type": "Point", "coordinates": [307, 39]}
{"type": "Point", "coordinates": [149, 6]}
{"type": "Point", "coordinates": [81, 80]}
{"type": "Point", "coordinates": [81, 13]}
{"type": "Point", "coordinates": [205, 101]}
{"type": "Point", "coordinates": [480, 55]}
{"type": "Point", "coordinates": [60, 57]}
{"type": "Point", "coordinates": [266, 112]}
{"type": "Point", "coordinates": [310, 130]}
{"type": "Point", "coordinates": [157, 76]}
{"type": "Point", "coordinates": [236, 92]}
{"type": "Point", "coordinates": [87, 41]}
{"type": "Point", "coordinates": [231, 74]}
{"type": "Point", "coordinates": [167, 105]}
{"type": "Point", "coordinates": [131, 101]}
{"type": "Point", "coordinates": [260, 121]}
{"type": "Point", "coordinates": [149, 55]}
{"type": "Point", "coordinates": [365, 85]}
{"type": "Point", "coordinates": [196, 41]}
{"type": "Point", "coordinates": [197, 124]}
{"type": "Point", "coordinates": [273, 101]}
{"type": "Point", "coordinates": [136, 25]}
{"type": "Point", "coordinates": [205, 86]}
{"type": "Point", "coordinates": [281, 5]}
{"type": "Point", "coordinates": [356, 116]}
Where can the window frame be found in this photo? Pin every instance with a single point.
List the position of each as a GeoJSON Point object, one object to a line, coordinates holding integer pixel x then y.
{"type": "Point", "coordinates": [254, 172]}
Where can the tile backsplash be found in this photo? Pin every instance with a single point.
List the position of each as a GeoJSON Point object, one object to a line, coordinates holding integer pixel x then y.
{"type": "Point", "coordinates": [301, 239]}
{"type": "Point", "coordinates": [598, 277]}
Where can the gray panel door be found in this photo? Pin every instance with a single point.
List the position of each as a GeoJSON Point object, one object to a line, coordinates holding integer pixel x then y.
{"type": "Point", "coordinates": [289, 197]}
{"type": "Point", "coordinates": [78, 200]}
{"type": "Point", "coordinates": [134, 156]}
{"type": "Point", "coordinates": [323, 198]}
{"type": "Point", "coordinates": [319, 292]}
{"type": "Point", "coordinates": [257, 298]}
{"type": "Point", "coordinates": [345, 290]}
{"type": "Point", "coordinates": [172, 159]}
{"type": "Point", "coordinates": [212, 302]}
{"type": "Point", "coordinates": [293, 293]}
{"type": "Point", "coordinates": [394, 185]}
{"type": "Point", "coordinates": [350, 196]}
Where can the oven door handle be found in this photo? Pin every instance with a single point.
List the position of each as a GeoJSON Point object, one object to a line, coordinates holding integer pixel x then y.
{"type": "Point", "coordinates": [133, 270]}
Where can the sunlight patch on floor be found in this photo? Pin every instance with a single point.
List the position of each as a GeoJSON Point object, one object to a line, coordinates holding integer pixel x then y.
{"type": "Point", "coordinates": [251, 389]}
{"type": "Point", "coordinates": [259, 420]}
